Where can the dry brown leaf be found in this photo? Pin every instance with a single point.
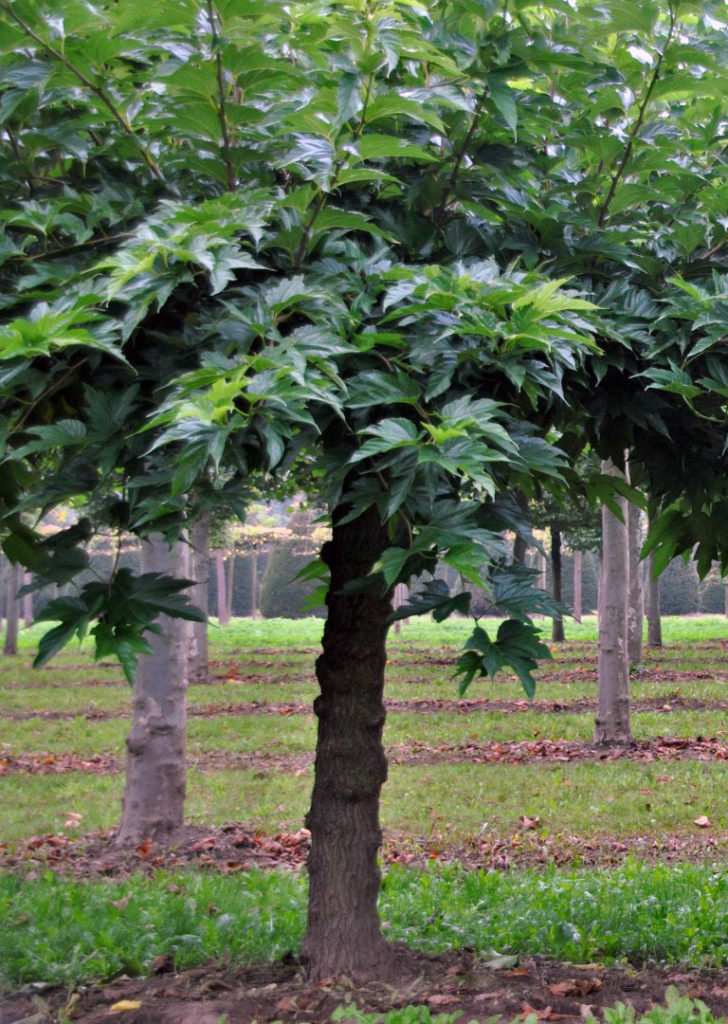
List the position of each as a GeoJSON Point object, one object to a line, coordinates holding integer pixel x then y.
{"type": "Point", "coordinates": [575, 987]}
{"type": "Point", "coordinates": [124, 1005]}
{"type": "Point", "coordinates": [444, 1000]}
{"type": "Point", "coordinates": [121, 904]}
{"type": "Point", "coordinates": [702, 822]}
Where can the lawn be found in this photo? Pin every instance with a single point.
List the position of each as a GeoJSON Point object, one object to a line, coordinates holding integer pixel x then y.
{"type": "Point", "coordinates": [474, 784]}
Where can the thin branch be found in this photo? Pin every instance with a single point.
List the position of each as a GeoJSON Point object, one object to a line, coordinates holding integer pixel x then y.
{"type": "Point", "coordinates": [70, 372]}
{"type": "Point", "coordinates": [97, 90]}
{"type": "Point", "coordinates": [617, 176]}
{"type": "Point", "coordinates": [64, 249]}
{"type": "Point", "coordinates": [462, 152]}
{"type": "Point", "coordinates": [232, 182]}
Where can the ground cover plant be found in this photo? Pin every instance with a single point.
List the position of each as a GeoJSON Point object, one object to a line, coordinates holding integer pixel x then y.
{"type": "Point", "coordinates": [488, 782]}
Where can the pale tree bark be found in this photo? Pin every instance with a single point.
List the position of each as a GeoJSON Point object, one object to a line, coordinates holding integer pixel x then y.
{"type": "Point", "coordinates": [612, 720]}
{"type": "Point", "coordinates": [223, 612]}
{"type": "Point", "coordinates": [344, 934]}
{"type": "Point", "coordinates": [200, 573]}
{"type": "Point", "coordinates": [400, 597]}
{"type": "Point", "coordinates": [578, 584]}
{"type": "Point", "coordinates": [154, 792]}
{"type": "Point", "coordinates": [652, 606]}
{"type": "Point", "coordinates": [557, 629]}
{"type": "Point", "coordinates": [229, 585]}
{"type": "Point", "coordinates": [27, 602]}
{"type": "Point", "coordinates": [10, 647]}
{"type": "Point", "coordinates": [254, 584]}
{"type": "Point", "coordinates": [635, 605]}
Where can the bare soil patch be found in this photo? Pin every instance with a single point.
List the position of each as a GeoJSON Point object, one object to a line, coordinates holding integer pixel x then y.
{"type": "Point", "coordinates": [456, 980]}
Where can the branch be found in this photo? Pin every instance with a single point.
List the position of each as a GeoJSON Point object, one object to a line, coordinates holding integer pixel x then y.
{"type": "Point", "coordinates": [617, 176]}
{"type": "Point", "coordinates": [452, 182]}
{"type": "Point", "coordinates": [97, 90]}
{"type": "Point", "coordinates": [232, 182]}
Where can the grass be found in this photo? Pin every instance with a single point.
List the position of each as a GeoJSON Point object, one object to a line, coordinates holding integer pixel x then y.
{"type": "Point", "coordinates": [64, 933]}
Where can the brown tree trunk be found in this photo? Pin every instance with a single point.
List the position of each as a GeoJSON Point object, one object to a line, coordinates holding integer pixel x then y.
{"type": "Point", "coordinates": [344, 934]}
{"type": "Point", "coordinates": [223, 613]}
{"type": "Point", "coordinates": [200, 573]}
{"type": "Point", "coordinates": [652, 606]}
{"type": "Point", "coordinates": [612, 720]}
{"type": "Point", "coordinates": [578, 584]}
{"type": "Point", "coordinates": [10, 647]}
{"type": "Point", "coordinates": [635, 606]}
{"type": "Point", "coordinates": [154, 792]}
{"type": "Point", "coordinates": [557, 628]}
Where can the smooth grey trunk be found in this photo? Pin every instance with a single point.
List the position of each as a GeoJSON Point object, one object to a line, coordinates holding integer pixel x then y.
{"type": "Point", "coordinates": [254, 585]}
{"type": "Point", "coordinates": [652, 606]}
{"type": "Point", "coordinates": [223, 613]}
{"type": "Point", "coordinates": [154, 792]}
{"type": "Point", "coordinates": [635, 605]}
{"type": "Point", "coordinates": [612, 720]}
{"type": "Point", "coordinates": [557, 629]}
{"type": "Point", "coordinates": [229, 584]}
{"type": "Point", "coordinates": [200, 573]}
{"type": "Point", "coordinates": [27, 602]}
{"type": "Point", "coordinates": [578, 584]}
{"type": "Point", "coordinates": [10, 647]}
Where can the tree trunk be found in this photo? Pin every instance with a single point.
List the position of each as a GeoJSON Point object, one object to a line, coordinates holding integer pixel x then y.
{"type": "Point", "coordinates": [557, 629]}
{"type": "Point", "coordinates": [200, 573]}
{"type": "Point", "coordinates": [154, 793]}
{"type": "Point", "coordinates": [344, 934]}
{"type": "Point", "coordinates": [10, 646]}
{"type": "Point", "coordinates": [223, 614]}
{"type": "Point", "coordinates": [229, 585]}
{"type": "Point", "coordinates": [612, 720]}
{"type": "Point", "coordinates": [27, 602]}
{"type": "Point", "coordinates": [519, 544]}
{"type": "Point", "coordinates": [578, 584]}
{"type": "Point", "coordinates": [652, 606]}
{"type": "Point", "coordinates": [254, 585]}
{"type": "Point", "coordinates": [635, 607]}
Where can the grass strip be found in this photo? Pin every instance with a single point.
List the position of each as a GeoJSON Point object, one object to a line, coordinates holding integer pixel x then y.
{"type": "Point", "coordinates": [64, 933]}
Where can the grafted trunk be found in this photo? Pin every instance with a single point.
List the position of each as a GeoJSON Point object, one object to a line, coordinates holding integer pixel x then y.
{"type": "Point", "coordinates": [578, 584]}
{"type": "Point", "coordinates": [200, 573]}
{"type": "Point", "coordinates": [612, 720]}
{"type": "Point", "coordinates": [344, 934]}
{"type": "Point", "coordinates": [10, 647]}
{"type": "Point", "coordinates": [154, 792]}
{"type": "Point", "coordinates": [557, 629]}
{"type": "Point", "coordinates": [635, 606]}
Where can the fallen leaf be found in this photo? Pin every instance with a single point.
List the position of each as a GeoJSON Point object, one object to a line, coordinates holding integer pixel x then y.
{"type": "Point", "coordinates": [124, 1005]}
{"type": "Point", "coordinates": [122, 903]}
{"type": "Point", "coordinates": [702, 821]}
{"type": "Point", "coordinates": [527, 822]}
{"type": "Point", "coordinates": [519, 972]}
{"type": "Point", "coordinates": [444, 1000]}
{"type": "Point", "coordinates": [575, 987]}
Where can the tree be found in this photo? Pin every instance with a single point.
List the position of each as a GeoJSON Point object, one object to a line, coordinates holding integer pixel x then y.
{"type": "Point", "coordinates": [612, 721]}
{"type": "Point", "coordinates": [369, 236]}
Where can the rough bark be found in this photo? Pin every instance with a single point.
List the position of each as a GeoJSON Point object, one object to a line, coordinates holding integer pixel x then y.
{"type": "Point", "coordinates": [612, 720]}
{"type": "Point", "coordinates": [154, 792]}
{"type": "Point", "coordinates": [652, 606]}
{"type": "Point", "coordinates": [10, 647]}
{"type": "Point", "coordinates": [557, 628]}
{"type": "Point", "coordinates": [200, 573]}
{"type": "Point", "coordinates": [344, 934]}
{"type": "Point", "coordinates": [635, 605]}
{"type": "Point", "coordinates": [229, 583]}
{"type": "Point", "coordinates": [578, 584]}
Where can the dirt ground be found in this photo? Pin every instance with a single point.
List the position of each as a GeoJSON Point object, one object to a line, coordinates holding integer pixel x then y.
{"type": "Point", "coordinates": [454, 981]}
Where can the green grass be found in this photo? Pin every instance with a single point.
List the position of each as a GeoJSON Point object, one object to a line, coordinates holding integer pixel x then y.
{"type": "Point", "coordinates": [64, 933]}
